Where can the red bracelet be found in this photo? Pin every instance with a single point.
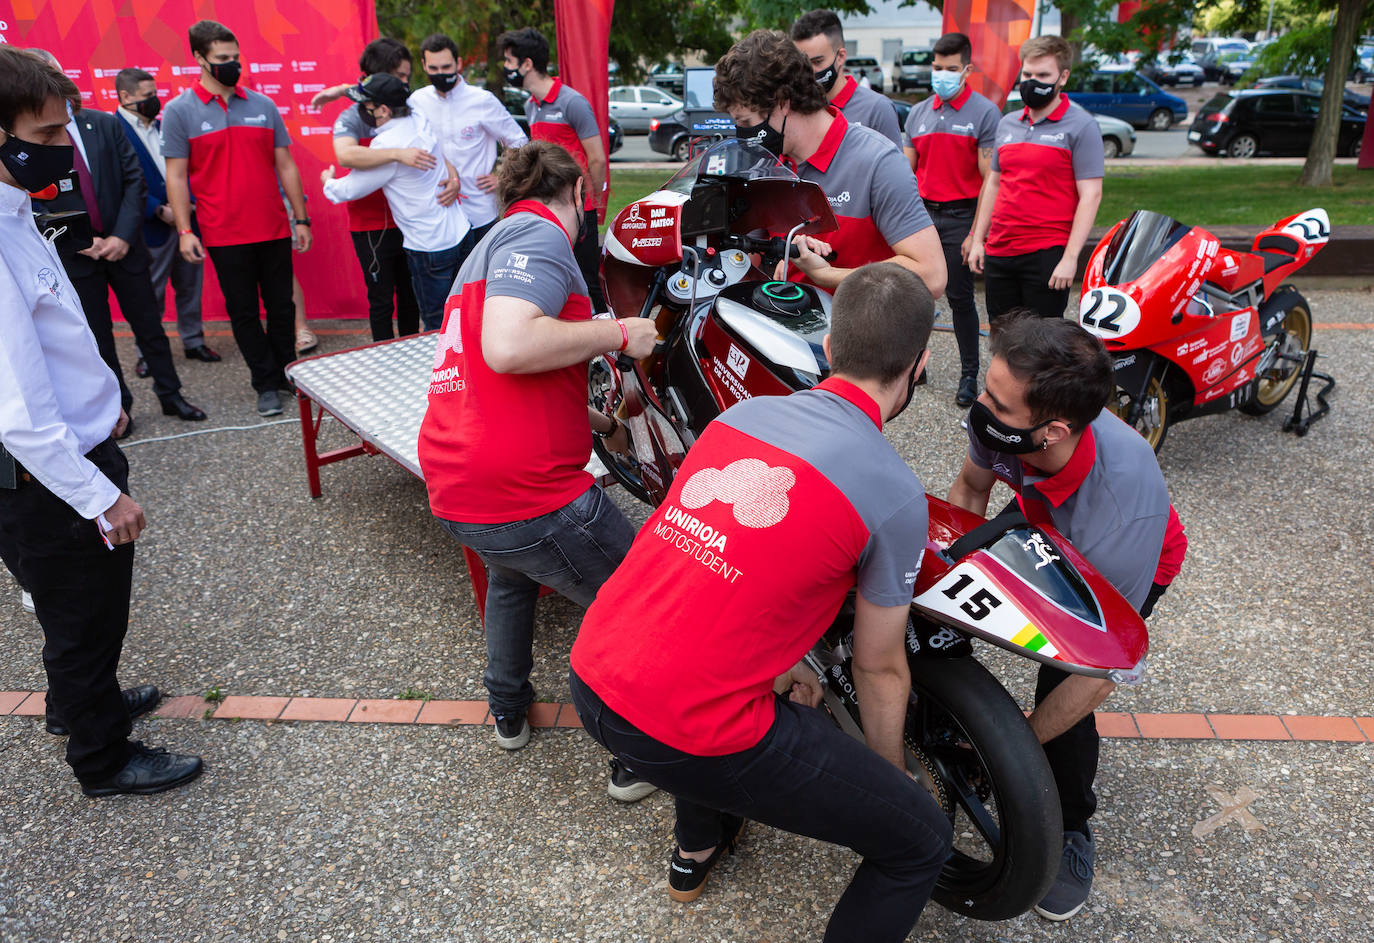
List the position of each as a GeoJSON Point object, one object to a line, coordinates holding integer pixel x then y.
{"type": "Point", "coordinates": [184, 232]}
{"type": "Point", "coordinates": [624, 334]}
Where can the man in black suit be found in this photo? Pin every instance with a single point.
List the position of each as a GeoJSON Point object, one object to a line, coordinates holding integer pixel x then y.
{"type": "Point", "coordinates": [111, 190]}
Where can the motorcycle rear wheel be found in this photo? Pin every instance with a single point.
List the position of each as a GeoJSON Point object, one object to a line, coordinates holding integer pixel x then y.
{"type": "Point", "coordinates": [970, 746]}
{"type": "Point", "coordinates": [1155, 416]}
{"type": "Point", "coordinates": [1274, 385]}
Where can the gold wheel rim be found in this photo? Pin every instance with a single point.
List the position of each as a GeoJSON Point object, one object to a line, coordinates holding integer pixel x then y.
{"type": "Point", "coordinates": [1297, 327]}
{"type": "Point", "coordinates": [1151, 423]}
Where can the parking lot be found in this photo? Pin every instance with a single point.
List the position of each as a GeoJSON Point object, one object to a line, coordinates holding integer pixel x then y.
{"type": "Point", "coordinates": [380, 828]}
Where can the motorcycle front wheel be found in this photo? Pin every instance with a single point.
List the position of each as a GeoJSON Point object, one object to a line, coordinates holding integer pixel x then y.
{"type": "Point", "coordinates": [604, 396]}
{"type": "Point", "coordinates": [1154, 418]}
{"type": "Point", "coordinates": [969, 744]}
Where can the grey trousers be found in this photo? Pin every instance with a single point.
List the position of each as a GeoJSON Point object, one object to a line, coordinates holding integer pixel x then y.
{"type": "Point", "coordinates": [186, 279]}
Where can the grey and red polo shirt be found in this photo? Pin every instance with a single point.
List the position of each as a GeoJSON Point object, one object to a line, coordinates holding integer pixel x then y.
{"type": "Point", "coordinates": [1110, 501]}
{"type": "Point", "coordinates": [947, 136]}
{"type": "Point", "coordinates": [231, 164]}
{"type": "Point", "coordinates": [369, 213]}
{"type": "Point", "coordinates": [565, 118]}
{"type": "Point", "coordinates": [1040, 165]}
{"type": "Point", "coordinates": [502, 447]}
{"type": "Point", "coordinates": [871, 191]}
{"type": "Point", "coordinates": [868, 108]}
{"type": "Point", "coordinates": [782, 506]}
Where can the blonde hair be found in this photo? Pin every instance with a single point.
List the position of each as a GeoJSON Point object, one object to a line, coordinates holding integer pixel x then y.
{"type": "Point", "coordinates": [1056, 46]}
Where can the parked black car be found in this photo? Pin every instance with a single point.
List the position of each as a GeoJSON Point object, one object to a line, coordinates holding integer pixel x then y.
{"type": "Point", "coordinates": [1277, 122]}
{"type": "Point", "coordinates": [671, 135]}
{"type": "Point", "coordinates": [1303, 83]}
{"type": "Point", "coordinates": [514, 99]}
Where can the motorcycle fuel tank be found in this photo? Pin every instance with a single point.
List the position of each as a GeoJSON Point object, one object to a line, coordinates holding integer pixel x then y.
{"type": "Point", "coordinates": [764, 338]}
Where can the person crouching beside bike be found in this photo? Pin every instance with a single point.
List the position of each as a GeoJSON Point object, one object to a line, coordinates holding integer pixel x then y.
{"type": "Point", "coordinates": [507, 434]}
{"type": "Point", "coordinates": [1041, 426]}
{"type": "Point", "coordinates": [782, 506]}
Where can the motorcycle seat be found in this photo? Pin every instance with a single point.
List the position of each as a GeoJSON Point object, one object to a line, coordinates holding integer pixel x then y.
{"type": "Point", "coordinates": [1273, 260]}
{"type": "Point", "coordinates": [1276, 249]}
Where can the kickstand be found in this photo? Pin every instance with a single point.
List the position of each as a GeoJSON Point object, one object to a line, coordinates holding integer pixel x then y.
{"type": "Point", "coordinates": [1303, 413]}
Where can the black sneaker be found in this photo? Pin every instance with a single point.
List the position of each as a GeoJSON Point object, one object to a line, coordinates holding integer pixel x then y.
{"type": "Point", "coordinates": [687, 878]}
{"type": "Point", "coordinates": [512, 731]}
{"type": "Point", "coordinates": [968, 392]}
{"type": "Point", "coordinates": [625, 786]}
{"type": "Point", "coordinates": [149, 770]}
{"type": "Point", "coordinates": [1070, 890]}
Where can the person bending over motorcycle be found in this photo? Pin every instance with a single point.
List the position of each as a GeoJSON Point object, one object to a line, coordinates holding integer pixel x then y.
{"type": "Point", "coordinates": [766, 85]}
{"type": "Point", "coordinates": [780, 509]}
{"type": "Point", "coordinates": [507, 434]}
{"type": "Point", "coordinates": [1041, 426]}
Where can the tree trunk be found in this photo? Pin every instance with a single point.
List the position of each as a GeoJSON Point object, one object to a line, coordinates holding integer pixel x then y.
{"type": "Point", "coordinates": [1316, 172]}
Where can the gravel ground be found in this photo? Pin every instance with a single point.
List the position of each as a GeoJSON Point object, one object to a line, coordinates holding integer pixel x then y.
{"type": "Point", "coordinates": [340, 832]}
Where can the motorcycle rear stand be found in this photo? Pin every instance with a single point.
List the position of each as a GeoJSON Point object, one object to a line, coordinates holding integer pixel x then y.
{"type": "Point", "coordinates": [1303, 414]}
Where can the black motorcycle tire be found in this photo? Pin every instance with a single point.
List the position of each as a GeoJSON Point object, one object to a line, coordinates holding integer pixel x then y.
{"type": "Point", "coordinates": [1159, 392]}
{"type": "Point", "coordinates": [1031, 830]}
{"type": "Point", "coordinates": [1297, 325]}
{"type": "Point", "coordinates": [598, 372]}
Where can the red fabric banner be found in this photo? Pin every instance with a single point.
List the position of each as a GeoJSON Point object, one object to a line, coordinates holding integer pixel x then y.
{"type": "Point", "coordinates": [291, 49]}
{"type": "Point", "coordinates": [584, 32]}
{"type": "Point", "coordinates": [997, 28]}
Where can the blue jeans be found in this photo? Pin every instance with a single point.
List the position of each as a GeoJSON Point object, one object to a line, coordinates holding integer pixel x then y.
{"type": "Point", "coordinates": [572, 550]}
{"type": "Point", "coordinates": [807, 777]}
{"type": "Point", "coordinates": [432, 274]}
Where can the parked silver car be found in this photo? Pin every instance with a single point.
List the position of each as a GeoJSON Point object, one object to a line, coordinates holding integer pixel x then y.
{"type": "Point", "coordinates": [634, 106]}
{"type": "Point", "coordinates": [911, 69]}
{"type": "Point", "coordinates": [862, 67]}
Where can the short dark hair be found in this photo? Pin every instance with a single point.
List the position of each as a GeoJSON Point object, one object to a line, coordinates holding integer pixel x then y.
{"type": "Point", "coordinates": [540, 170]}
{"type": "Point", "coordinates": [128, 79]}
{"type": "Point", "coordinates": [954, 44]}
{"type": "Point", "coordinates": [819, 23]}
{"type": "Point", "coordinates": [438, 42]}
{"type": "Point", "coordinates": [1067, 372]}
{"type": "Point", "coordinates": [880, 322]}
{"type": "Point", "coordinates": [527, 43]}
{"type": "Point", "coordinates": [205, 33]}
{"type": "Point", "coordinates": [763, 70]}
{"type": "Point", "coordinates": [27, 82]}
{"type": "Point", "coordinates": [383, 55]}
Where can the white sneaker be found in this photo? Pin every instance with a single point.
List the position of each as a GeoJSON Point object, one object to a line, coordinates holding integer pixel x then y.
{"type": "Point", "coordinates": [26, 600]}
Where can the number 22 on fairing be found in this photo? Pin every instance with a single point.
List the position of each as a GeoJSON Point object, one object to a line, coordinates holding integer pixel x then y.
{"type": "Point", "coordinates": [1108, 312]}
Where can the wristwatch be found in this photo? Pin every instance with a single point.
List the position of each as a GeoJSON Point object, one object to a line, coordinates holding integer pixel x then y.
{"type": "Point", "coordinates": [301, 222]}
{"type": "Point", "coordinates": [615, 427]}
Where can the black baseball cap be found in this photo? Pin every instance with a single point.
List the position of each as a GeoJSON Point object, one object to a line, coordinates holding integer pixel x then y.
{"type": "Point", "coordinates": [382, 88]}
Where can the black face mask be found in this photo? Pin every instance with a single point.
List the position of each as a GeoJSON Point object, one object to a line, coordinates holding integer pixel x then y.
{"type": "Point", "coordinates": [763, 134]}
{"type": "Point", "coordinates": [36, 167]}
{"type": "Point", "coordinates": [1000, 437]}
{"type": "Point", "coordinates": [148, 107]}
{"type": "Point", "coordinates": [368, 118]}
{"type": "Point", "coordinates": [827, 77]}
{"type": "Point", "coordinates": [910, 389]}
{"type": "Point", "coordinates": [443, 81]}
{"type": "Point", "coordinates": [1037, 94]}
{"type": "Point", "coordinates": [514, 79]}
{"type": "Point", "coordinates": [225, 73]}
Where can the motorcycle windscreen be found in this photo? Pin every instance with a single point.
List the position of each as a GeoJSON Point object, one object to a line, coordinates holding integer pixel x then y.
{"type": "Point", "coordinates": [740, 187]}
{"type": "Point", "coordinates": [1138, 244]}
{"type": "Point", "coordinates": [1030, 592]}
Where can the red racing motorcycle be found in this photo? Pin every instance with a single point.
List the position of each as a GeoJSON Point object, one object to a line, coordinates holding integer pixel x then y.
{"type": "Point", "coordinates": [697, 257]}
{"type": "Point", "coordinates": [1196, 329]}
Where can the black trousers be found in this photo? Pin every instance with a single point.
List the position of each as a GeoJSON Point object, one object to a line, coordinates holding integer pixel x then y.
{"type": "Point", "coordinates": [1073, 754]}
{"type": "Point", "coordinates": [387, 277]}
{"type": "Point", "coordinates": [81, 597]}
{"type": "Point", "coordinates": [131, 281]}
{"type": "Point", "coordinates": [246, 273]}
{"type": "Point", "coordinates": [1023, 281]}
{"type": "Point", "coordinates": [953, 225]}
{"type": "Point", "coordinates": [807, 777]}
{"type": "Point", "coordinates": [587, 251]}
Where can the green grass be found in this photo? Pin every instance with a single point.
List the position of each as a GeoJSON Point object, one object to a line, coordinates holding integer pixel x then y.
{"type": "Point", "coordinates": [1223, 195]}
{"type": "Point", "coordinates": [1234, 195]}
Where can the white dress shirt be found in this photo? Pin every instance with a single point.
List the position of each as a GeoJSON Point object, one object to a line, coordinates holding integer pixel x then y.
{"type": "Point", "coordinates": [469, 121]}
{"type": "Point", "coordinates": [58, 399]}
{"type": "Point", "coordinates": [412, 194]}
{"type": "Point", "coordinates": [150, 134]}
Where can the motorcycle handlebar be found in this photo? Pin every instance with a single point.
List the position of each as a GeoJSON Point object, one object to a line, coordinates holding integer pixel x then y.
{"type": "Point", "coordinates": [775, 247]}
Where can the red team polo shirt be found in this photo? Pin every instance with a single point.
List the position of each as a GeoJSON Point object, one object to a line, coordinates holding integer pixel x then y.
{"type": "Point", "coordinates": [871, 191]}
{"type": "Point", "coordinates": [565, 118]}
{"type": "Point", "coordinates": [782, 506]}
{"type": "Point", "coordinates": [947, 136]}
{"type": "Point", "coordinates": [501, 447]}
{"type": "Point", "coordinates": [369, 213]}
{"type": "Point", "coordinates": [231, 164]}
{"type": "Point", "coordinates": [1041, 165]}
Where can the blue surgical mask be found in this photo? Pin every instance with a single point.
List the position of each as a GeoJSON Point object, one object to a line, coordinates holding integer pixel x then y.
{"type": "Point", "coordinates": [946, 84]}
